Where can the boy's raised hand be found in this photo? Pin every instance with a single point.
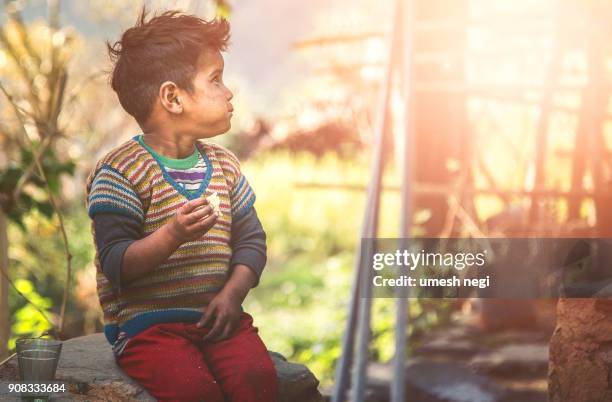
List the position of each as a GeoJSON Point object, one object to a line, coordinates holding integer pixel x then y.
{"type": "Point", "coordinates": [192, 220]}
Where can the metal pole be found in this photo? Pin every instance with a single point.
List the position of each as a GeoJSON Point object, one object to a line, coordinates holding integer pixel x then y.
{"type": "Point", "coordinates": [365, 303]}
{"type": "Point", "coordinates": [348, 339]}
{"type": "Point", "coordinates": [367, 231]}
{"type": "Point", "coordinates": [405, 13]}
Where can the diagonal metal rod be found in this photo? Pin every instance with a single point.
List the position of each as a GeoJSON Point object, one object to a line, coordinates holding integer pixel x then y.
{"type": "Point", "coordinates": [360, 303]}
{"type": "Point", "coordinates": [405, 14]}
{"type": "Point", "coordinates": [383, 127]}
{"type": "Point", "coordinates": [348, 339]}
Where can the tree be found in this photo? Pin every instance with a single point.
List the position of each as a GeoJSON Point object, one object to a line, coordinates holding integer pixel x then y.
{"type": "Point", "coordinates": [34, 85]}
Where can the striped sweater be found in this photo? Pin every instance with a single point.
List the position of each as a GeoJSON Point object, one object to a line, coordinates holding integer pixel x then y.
{"type": "Point", "coordinates": [131, 181]}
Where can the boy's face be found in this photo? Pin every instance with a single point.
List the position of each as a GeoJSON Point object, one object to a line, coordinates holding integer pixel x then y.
{"type": "Point", "coordinates": [207, 111]}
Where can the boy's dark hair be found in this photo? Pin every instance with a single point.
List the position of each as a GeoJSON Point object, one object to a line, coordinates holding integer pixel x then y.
{"type": "Point", "coordinates": [165, 48]}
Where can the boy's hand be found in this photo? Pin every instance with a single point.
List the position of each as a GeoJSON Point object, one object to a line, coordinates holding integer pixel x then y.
{"type": "Point", "coordinates": [192, 220]}
{"type": "Point", "coordinates": [224, 308]}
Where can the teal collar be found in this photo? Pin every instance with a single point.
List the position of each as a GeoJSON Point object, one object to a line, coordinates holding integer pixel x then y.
{"type": "Point", "coordinates": [172, 163]}
{"type": "Point", "coordinates": [162, 160]}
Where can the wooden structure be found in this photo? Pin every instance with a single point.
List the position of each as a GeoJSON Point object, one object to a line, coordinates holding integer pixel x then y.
{"type": "Point", "coordinates": [450, 56]}
{"type": "Point", "coordinates": [548, 62]}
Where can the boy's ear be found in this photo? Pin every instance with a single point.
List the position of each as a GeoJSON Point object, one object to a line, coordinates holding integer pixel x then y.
{"type": "Point", "coordinates": [168, 96]}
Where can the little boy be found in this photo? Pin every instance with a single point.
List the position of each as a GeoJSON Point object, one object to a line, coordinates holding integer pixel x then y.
{"type": "Point", "coordinates": [178, 241]}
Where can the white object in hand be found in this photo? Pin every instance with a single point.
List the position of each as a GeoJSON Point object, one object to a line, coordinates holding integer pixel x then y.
{"type": "Point", "coordinates": [214, 201]}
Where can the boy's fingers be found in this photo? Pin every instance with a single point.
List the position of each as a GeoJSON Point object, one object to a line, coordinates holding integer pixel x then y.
{"type": "Point", "coordinates": [198, 214]}
{"type": "Point", "coordinates": [216, 329]}
{"type": "Point", "coordinates": [193, 204]}
{"type": "Point", "coordinates": [227, 332]}
{"type": "Point", "coordinates": [206, 222]}
{"type": "Point", "coordinates": [208, 314]}
{"type": "Point", "coordinates": [197, 209]}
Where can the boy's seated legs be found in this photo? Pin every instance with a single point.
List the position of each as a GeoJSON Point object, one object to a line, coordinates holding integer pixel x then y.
{"type": "Point", "coordinates": [173, 363]}
{"type": "Point", "coordinates": [166, 362]}
{"type": "Point", "coordinates": [244, 368]}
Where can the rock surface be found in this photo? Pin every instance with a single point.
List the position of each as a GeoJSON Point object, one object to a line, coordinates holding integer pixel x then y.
{"type": "Point", "coordinates": [581, 352]}
{"type": "Point", "coordinates": [88, 367]}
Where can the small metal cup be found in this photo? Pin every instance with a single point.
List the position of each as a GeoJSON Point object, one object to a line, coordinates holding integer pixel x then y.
{"type": "Point", "coordinates": [38, 359]}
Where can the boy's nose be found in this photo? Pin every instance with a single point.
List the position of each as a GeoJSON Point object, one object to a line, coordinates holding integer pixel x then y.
{"type": "Point", "coordinates": [229, 95]}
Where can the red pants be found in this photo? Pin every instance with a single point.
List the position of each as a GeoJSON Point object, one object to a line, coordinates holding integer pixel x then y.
{"type": "Point", "coordinates": [173, 364]}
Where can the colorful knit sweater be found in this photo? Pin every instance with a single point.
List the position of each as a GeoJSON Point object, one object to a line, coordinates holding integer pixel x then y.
{"type": "Point", "coordinates": [131, 181]}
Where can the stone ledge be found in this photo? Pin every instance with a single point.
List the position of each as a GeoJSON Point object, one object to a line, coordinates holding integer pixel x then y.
{"type": "Point", "coordinates": [88, 367]}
